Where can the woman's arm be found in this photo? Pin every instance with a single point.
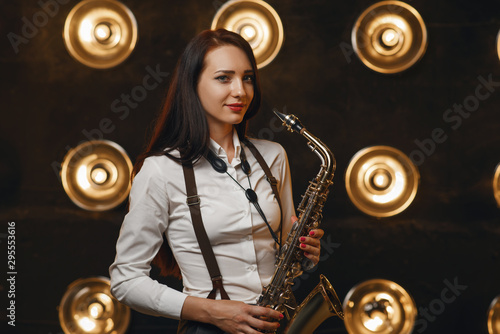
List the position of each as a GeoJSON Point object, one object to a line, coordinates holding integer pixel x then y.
{"type": "Point", "coordinates": [140, 238]}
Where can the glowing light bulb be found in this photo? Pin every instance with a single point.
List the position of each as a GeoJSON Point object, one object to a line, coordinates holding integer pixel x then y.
{"type": "Point", "coordinates": [96, 310]}
{"type": "Point", "coordinates": [99, 175]}
{"type": "Point", "coordinates": [102, 32]}
{"type": "Point", "coordinates": [381, 180]}
{"type": "Point", "coordinates": [374, 324]}
{"type": "Point", "coordinates": [390, 37]}
{"type": "Point", "coordinates": [86, 324]}
{"type": "Point", "coordinates": [248, 32]}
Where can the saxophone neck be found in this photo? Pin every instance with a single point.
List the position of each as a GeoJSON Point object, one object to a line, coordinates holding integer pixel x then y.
{"type": "Point", "coordinates": [328, 162]}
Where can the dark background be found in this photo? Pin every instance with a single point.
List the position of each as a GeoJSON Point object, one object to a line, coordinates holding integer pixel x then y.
{"type": "Point", "coordinates": [450, 232]}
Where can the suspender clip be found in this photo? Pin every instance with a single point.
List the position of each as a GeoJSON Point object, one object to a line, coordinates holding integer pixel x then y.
{"type": "Point", "coordinates": [193, 200]}
{"type": "Point", "coordinates": [272, 180]}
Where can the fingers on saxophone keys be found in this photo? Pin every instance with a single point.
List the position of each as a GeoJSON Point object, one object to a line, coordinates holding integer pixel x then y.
{"type": "Point", "coordinates": [317, 233]}
{"type": "Point", "coordinates": [308, 241]}
{"type": "Point", "coordinates": [268, 320]}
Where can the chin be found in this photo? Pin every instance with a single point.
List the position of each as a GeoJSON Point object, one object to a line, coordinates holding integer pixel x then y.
{"type": "Point", "coordinates": [237, 120]}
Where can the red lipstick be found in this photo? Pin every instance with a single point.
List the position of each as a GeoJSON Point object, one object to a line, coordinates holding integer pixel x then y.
{"type": "Point", "coordinates": [235, 106]}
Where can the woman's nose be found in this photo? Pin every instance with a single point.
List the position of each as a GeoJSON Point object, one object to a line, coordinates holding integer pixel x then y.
{"type": "Point", "coordinates": [238, 88]}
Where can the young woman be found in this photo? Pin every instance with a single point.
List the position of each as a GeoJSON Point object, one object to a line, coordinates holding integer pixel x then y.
{"type": "Point", "coordinates": [214, 91]}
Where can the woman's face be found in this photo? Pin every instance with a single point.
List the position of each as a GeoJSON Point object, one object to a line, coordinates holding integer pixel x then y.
{"type": "Point", "coordinates": [225, 87]}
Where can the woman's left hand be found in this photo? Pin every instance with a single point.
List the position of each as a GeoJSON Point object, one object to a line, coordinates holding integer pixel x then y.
{"type": "Point", "coordinates": [311, 245]}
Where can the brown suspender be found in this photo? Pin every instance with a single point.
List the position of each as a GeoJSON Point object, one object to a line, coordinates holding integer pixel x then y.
{"type": "Point", "coordinates": [193, 201]}
{"type": "Point", "coordinates": [270, 178]}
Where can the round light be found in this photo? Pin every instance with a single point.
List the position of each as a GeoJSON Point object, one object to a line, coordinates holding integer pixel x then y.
{"type": "Point", "coordinates": [248, 32]}
{"type": "Point", "coordinates": [99, 175]}
{"type": "Point", "coordinates": [379, 306]}
{"type": "Point", "coordinates": [390, 37]}
{"type": "Point", "coordinates": [96, 310]}
{"type": "Point", "coordinates": [496, 185]}
{"type": "Point", "coordinates": [88, 307]}
{"type": "Point", "coordinates": [381, 181]}
{"type": "Point", "coordinates": [257, 22]}
{"type": "Point", "coordinates": [102, 32]}
{"type": "Point", "coordinates": [96, 175]}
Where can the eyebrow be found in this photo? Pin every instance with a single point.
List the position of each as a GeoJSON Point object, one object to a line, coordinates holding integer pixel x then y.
{"type": "Point", "coordinates": [232, 72]}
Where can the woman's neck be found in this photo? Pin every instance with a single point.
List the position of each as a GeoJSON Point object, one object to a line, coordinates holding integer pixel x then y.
{"type": "Point", "coordinates": [225, 139]}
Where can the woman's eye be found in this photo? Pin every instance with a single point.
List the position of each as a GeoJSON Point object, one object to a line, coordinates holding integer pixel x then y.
{"type": "Point", "coordinates": [222, 78]}
{"type": "Point", "coordinates": [248, 78]}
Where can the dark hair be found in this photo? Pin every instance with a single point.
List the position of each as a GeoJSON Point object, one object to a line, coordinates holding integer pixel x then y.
{"type": "Point", "coordinates": [182, 122]}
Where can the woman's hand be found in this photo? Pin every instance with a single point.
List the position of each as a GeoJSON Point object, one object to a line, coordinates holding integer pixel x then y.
{"type": "Point", "coordinates": [238, 317]}
{"type": "Point", "coordinates": [231, 316]}
{"type": "Point", "coordinates": [311, 244]}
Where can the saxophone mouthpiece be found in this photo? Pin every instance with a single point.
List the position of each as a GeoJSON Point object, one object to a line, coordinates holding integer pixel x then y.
{"type": "Point", "coordinates": [291, 122]}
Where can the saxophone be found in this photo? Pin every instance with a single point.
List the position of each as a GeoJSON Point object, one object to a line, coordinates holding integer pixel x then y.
{"type": "Point", "coordinates": [323, 301]}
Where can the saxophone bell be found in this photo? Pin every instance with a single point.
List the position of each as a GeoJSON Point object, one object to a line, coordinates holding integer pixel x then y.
{"type": "Point", "coordinates": [321, 304]}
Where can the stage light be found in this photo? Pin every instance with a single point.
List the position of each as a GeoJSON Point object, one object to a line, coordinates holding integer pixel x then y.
{"type": "Point", "coordinates": [100, 33]}
{"type": "Point", "coordinates": [87, 306]}
{"type": "Point", "coordinates": [494, 316]}
{"type": "Point", "coordinates": [257, 22]}
{"type": "Point", "coordinates": [96, 175]}
{"type": "Point", "coordinates": [381, 181]}
{"type": "Point", "coordinates": [498, 44]}
{"type": "Point", "coordinates": [389, 36]}
{"type": "Point", "coordinates": [379, 306]}
{"type": "Point", "coordinates": [496, 185]}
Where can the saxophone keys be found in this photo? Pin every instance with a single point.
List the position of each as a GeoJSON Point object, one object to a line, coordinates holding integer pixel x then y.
{"type": "Point", "coordinates": [296, 270]}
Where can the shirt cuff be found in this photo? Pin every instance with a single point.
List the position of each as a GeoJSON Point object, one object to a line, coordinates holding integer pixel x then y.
{"type": "Point", "coordinates": [170, 303]}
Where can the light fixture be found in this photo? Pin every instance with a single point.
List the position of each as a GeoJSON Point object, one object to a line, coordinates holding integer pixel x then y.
{"type": "Point", "coordinates": [496, 185]}
{"type": "Point", "coordinates": [96, 175]}
{"type": "Point", "coordinates": [494, 316]}
{"type": "Point", "coordinates": [381, 181]}
{"type": "Point", "coordinates": [257, 22]}
{"type": "Point", "coordinates": [498, 44]}
{"type": "Point", "coordinates": [379, 306]}
{"type": "Point", "coordinates": [389, 36]}
{"type": "Point", "coordinates": [100, 33]}
{"type": "Point", "coordinates": [87, 306]}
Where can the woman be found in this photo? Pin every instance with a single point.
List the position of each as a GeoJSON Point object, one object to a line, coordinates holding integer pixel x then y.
{"type": "Point", "coordinates": [214, 91]}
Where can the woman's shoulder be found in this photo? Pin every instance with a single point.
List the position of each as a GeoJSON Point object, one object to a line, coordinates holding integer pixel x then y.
{"type": "Point", "coordinates": [267, 146]}
{"type": "Point", "coordinates": [271, 151]}
{"type": "Point", "coordinates": [159, 166]}
{"type": "Point", "coordinates": [160, 160]}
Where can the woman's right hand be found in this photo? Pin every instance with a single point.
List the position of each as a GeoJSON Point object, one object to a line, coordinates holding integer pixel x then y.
{"type": "Point", "coordinates": [231, 316]}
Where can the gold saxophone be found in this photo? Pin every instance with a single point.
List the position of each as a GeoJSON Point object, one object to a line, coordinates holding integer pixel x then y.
{"type": "Point", "coordinates": [323, 301]}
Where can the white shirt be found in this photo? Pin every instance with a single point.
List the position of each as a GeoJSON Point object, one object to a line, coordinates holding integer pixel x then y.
{"type": "Point", "coordinates": [241, 241]}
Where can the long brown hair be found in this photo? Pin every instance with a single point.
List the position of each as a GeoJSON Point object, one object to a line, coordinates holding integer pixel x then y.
{"type": "Point", "coordinates": [182, 123]}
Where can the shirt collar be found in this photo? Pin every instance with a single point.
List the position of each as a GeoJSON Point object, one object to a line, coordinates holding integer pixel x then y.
{"type": "Point", "coordinates": [219, 151]}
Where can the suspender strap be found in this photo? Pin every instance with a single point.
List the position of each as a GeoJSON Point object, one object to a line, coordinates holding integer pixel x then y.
{"type": "Point", "coordinates": [272, 180]}
{"type": "Point", "coordinates": [193, 201]}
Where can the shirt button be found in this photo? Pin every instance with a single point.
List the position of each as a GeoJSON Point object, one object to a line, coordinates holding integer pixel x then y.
{"type": "Point", "coordinates": [252, 267]}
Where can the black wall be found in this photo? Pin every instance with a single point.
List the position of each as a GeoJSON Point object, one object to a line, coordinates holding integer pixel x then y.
{"type": "Point", "coordinates": [449, 235]}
